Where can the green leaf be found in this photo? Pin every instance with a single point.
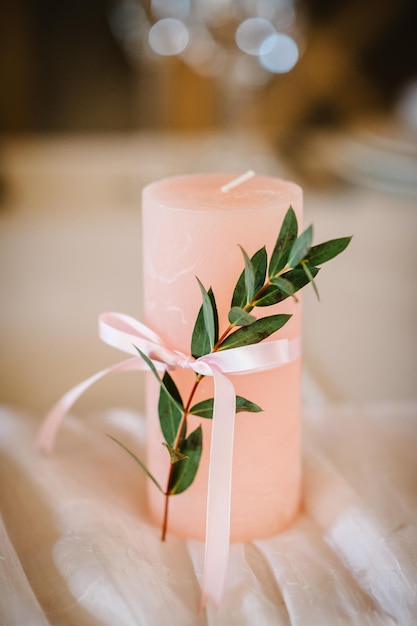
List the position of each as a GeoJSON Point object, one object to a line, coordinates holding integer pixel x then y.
{"type": "Point", "coordinates": [256, 332]}
{"type": "Point", "coordinates": [287, 236]}
{"type": "Point", "coordinates": [240, 317]}
{"type": "Point", "coordinates": [259, 262]}
{"type": "Point", "coordinates": [300, 247]}
{"type": "Point", "coordinates": [175, 396]}
{"type": "Point", "coordinates": [150, 364]}
{"type": "Point", "coordinates": [170, 404]}
{"type": "Point", "coordinates": [170, 408]}
{"type": "Point", "coordinates": [297, 277]}
{"type": "Point", "coordinates": [328, 250]}
{"type": "Point", "coordinates": [311, 279]}
{"type": "Point", "coordinates": [284, 285]}
{"type": "Point", "coordinates": [172, 389]}
{"type": "Point", "coordinates": [200, 343]}
{"type": "Point", "coordinates": [208, 315]}
{"type": "Point", "coordinates": [244, 405]}
{"type": "Point", "coordinates": [271, 295]}
{"type": "Point", "coordinates": [184, 473]}
{"type": "Point", "coordinates": [205, 407]}
{"type": "Point", "coordinates": [249, 277]}
{"type": "Point", "coordinates": [174, 455]}
{"type": "Point", "coordinates": [142, 465]}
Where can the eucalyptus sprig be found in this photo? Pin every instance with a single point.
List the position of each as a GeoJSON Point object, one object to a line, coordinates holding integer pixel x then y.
{"type": "Point", "coordinates": [294, 263]}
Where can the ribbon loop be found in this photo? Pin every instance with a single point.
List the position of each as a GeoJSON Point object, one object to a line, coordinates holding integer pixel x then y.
{"type": "Point", "coordinates": [128, 335]}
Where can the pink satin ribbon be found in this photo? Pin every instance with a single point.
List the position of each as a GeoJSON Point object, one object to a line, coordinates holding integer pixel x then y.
{"type": "Point", "coordinates": [125, 333]}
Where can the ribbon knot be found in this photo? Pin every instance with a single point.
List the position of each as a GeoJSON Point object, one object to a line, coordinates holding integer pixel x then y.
{"type": "Point", "coordinates": [185, 361]}
{"type": "Point", "coordinates": [127, 334]}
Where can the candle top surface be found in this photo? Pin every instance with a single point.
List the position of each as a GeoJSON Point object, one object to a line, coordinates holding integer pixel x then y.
{"type": "Point", "coordinates": [203, 192]}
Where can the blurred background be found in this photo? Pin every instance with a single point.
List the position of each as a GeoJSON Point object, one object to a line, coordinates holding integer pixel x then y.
{"type": "Point", "coordinates": [100, 97]}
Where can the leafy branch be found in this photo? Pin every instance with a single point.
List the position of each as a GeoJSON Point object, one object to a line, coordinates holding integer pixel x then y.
{"type": "Point", "coordinates": [293, 264]}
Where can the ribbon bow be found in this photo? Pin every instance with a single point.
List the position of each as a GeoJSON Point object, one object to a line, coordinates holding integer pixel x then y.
{"type": "Point", "coordinates": [125, 333]}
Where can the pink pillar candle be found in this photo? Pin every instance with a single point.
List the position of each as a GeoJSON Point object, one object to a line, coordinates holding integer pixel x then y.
{"type": "Point", "coordinates": [192, 228]}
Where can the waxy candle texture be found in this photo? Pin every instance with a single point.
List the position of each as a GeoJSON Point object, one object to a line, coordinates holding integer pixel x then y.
{"type": "Point", "coordinates": [192, 228]}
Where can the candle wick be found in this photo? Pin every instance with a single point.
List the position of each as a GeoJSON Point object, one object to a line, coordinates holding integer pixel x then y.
{"type": "Point", "coordinates": [238, 181]}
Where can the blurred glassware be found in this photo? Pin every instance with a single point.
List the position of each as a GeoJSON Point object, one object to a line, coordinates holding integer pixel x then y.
{"type": "Point", "coordinates": [380, 155]}
{"type": "Point", "coordinates": [216, 38]}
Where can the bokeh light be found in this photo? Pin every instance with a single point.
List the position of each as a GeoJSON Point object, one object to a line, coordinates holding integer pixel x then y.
{"type": "Point", "coordinates": [251, 34]}
{"type": "Point", "coordinates": [278, 53]}
{"type": "Point", "coordinates": [168, 37]}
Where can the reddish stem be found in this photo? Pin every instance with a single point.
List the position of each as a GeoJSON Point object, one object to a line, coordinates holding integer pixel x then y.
{"type": "Point", "coordinates": [175, 447]}
{"type": "Point", "coordinates": [188, 406]}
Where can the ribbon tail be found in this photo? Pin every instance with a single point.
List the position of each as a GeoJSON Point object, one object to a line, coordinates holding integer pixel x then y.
{"type": "Point", "coordinates": [48, 430]}
{"type": "Point", "coordinates": [219, 490]}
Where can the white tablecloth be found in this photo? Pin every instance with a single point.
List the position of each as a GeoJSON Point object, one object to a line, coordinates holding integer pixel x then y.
{"type": "Point", "coordinates": [77, 549]}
